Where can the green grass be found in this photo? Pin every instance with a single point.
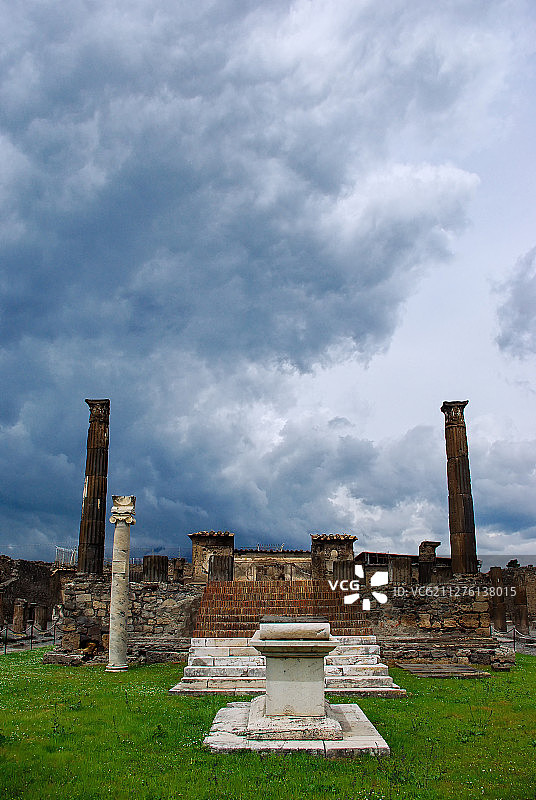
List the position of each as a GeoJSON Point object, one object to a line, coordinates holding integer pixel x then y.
{"type": "Point", "coordinates": [68, 732]}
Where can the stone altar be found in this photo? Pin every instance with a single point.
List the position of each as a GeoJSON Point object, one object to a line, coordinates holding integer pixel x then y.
{"type": "Point", "coordinates": [293, 714]}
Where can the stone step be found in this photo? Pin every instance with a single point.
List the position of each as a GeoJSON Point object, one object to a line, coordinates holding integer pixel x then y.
{"type": "Point", "coordinates": [358, 682]}
{"type": "Point", "coordinates": [352, 659]}
{"type": "Point", "coordinates": [244, 641]}
{"type": "Point", "coordinates": [258, 660]}
{"type": "Point", "coordinates": [355, 669]}
{"type": "Point", "coordinates": [243, 670]}
{"type": "Point", "coordinates": [245, 683]}
{"type": "Point", "coordinates": [259, 670]}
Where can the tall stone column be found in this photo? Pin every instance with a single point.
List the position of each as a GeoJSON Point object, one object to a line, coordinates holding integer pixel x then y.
{"type": "Point", "coordinates": [93, 521]}
{"type": "Point", "coordinates": [461, 514]}
{"type": "Point", "coordinates": [123, 511]}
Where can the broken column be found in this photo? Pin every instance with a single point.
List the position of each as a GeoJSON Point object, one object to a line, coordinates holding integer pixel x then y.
{"type": "Point", "coordinates": [93, 520]}
{"type": "Point", "coordinates": [41, 616]}
{"type": "Point", "coordinates": [155, 569]}
{"type": "Point", "coordinates": [20, 615]}
{"type": "Point", "coordinates": [498, 606]}
{"type": "Point", "coordinates": [461, 514]}
{"type": "Point", "coordinates": [427, 561]}
{"type": "Point", "coordinates": [520, 615]}
{"type": "Point", "coordinates": [123, 511]}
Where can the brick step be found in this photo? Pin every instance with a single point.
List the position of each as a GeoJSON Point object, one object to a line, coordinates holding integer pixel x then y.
{"type": "Point", "coordinates": [234, 608]}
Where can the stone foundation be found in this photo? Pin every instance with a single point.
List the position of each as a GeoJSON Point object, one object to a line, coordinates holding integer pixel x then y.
{"type": "Point", "coordinates": [159, 625]}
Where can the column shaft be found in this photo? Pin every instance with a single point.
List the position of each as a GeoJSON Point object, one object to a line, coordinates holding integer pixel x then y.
{"type": "Point", "coordinates": [123, 517]}
{"type": "Point", "coordinates": [461, 514]}
{"type": "Point", "coordinates": [93, 520]}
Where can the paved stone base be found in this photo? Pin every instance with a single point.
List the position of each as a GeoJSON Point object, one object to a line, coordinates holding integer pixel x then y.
{"type": "Point", "coordinates": [290, 727]}
{"type": "Point", "coordinates": [229, 733]}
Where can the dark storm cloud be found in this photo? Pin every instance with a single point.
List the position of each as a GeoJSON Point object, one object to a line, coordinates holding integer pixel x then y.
{"type": "Point", "coordinates": [199, 201]}
{"type": "Point", "coordinates": [517, 319]}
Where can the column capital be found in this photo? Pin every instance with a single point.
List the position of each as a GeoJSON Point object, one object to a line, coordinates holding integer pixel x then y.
{"type": "Point", "coordinates": [453, 411]}
{"type": "Point", "coordinates": [99, 410]}
{"type": "Point", "coordinates": [123, 509]}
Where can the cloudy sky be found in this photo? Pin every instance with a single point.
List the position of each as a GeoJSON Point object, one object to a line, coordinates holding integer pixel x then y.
{"type": "Point", "coordinates": [277, 236]}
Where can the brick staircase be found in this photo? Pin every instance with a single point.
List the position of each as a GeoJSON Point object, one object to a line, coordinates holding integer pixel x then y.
{"type": "Point", "coordinates": [221, 660]}
{"type": "Point", "coordinates": [234, 608]}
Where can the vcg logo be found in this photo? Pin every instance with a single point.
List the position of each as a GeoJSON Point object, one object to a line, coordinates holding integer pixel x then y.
{"type": "Point", "coordinates": [378, 579]}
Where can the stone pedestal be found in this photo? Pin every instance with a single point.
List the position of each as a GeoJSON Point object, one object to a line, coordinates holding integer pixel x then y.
{"type": "Point", "coordinates": [123, 517]}
{"type": "Point", "coordinates": [294, 652]}
{"type": "Point", "coordinates": [293, 714]}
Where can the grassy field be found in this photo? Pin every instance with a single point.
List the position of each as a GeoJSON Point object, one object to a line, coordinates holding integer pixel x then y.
{"type": "Point", "coordinates": [68, 732]}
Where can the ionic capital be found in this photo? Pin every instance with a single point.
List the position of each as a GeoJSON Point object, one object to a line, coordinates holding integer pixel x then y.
{"type": "Point", "coordinates": [123, 509]}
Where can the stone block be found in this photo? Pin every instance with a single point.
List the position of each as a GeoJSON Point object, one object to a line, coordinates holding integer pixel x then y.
{"type": "Point", "coordinates": [70, 641]}
{"type": "Point", "coordinates": [64, 659]}
{"type": "Point", "coordinates": [470, 620]}
{"type": "Point", "coordinates": [424, 621]}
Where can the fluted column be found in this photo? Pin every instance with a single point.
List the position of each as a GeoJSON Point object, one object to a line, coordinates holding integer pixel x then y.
{"type": "Point", "coordinates": [461, 514]}
{"type": "Point", "coordinates": [93, 521]}
{"type": "Point", "coordinates": [123, 511]}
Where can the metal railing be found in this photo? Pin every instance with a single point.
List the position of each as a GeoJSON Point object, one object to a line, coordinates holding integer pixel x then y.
{"type": "Point", "coordinates": [23, 636]}
{"type": "Point", "coordinates": [516, 636]}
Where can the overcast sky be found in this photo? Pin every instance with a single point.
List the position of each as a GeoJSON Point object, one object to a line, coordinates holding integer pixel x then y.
{"type": "Point", "coordinates": [277, 235]}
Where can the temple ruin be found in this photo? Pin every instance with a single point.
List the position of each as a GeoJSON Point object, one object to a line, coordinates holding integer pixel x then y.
{"type": "Point", "coordinates": [425, 609]}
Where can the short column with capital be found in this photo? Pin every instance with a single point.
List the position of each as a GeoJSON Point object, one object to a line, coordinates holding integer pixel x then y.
{"type": "Point", "coordinates": [123, 511]}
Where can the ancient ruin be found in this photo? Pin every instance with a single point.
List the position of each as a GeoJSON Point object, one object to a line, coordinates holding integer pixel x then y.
{"type": "Point", "coordinates": [206, 610]}
{"type": "Point", "coordinates": [93, 520]}
{"type": "Point", "coordinates": [461, 514]}
{"type": "Point", "coordinates": [122, 517]}
{"type": "Point", "coordinates": [293, 714]}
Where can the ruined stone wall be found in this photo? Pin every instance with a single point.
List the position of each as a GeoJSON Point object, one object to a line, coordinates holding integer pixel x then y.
{"type": "Point", "coordinates": [282, 565]}
{"type": "Point", "coordinates": [159, 609]}
{"type": "Point", "coordinates": [28, 580]}
{"type": "Point", "coordinates": [520, 576]}
{"type": "Point", "coordinates": [460, 606]}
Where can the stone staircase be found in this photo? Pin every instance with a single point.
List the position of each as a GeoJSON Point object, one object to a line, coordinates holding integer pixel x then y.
{"type": "Point", "coordinates": [233, 609]}
{"type": "Point", "coordinates": [221, 660]}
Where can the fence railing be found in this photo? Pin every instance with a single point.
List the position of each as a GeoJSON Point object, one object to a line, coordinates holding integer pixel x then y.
{"type": "Point", "coordinates": [516, 636]}
{"type": "Point", "coordinates": [24, 636]}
